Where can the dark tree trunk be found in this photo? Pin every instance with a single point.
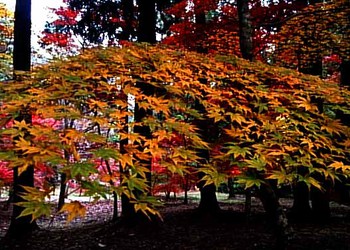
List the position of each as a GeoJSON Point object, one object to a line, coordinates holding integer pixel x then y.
{"type": "Point", "coordinates": [208, 202]}
{"type": "Point", "coordinates": [128, 15]}
{"type": "Point", "coordinates": [139, 115]}
{"type": "Point", "coordinates": [301, 206]}
{"type": "Point", "coordinates": [345, 73]}
{"type": "Point", "coordinates": [115, 195]}
{"type": "Point", "coordinates": [200, 21]}
{"type": "Point", "coordinates": [231, 190]}
{"type": "Point", "coordinates": [147, 21]}
{"type": "Point", "coordinates": [199, 13]}
{"type": "Point", "coordinates": [276, 215]}
{"type": "Point", "coordinates": [22, 34]}
{"type": "Point", "coordinates": [21, 227]}
{"type": "Point", "coordinates": [115, 206]}
{"type": "Point", "coordinates": [186, 189]}
{"type": "Point", "coordinates": [321, 211]}
{"type": "Point", "coordinates": [245, 30]}
{"type": "Point", "coordinates": [63, 187]}
{"type": "Point", "coordinates": [128, 212]}
{"type": "Point", "coordinates": [146, 32]}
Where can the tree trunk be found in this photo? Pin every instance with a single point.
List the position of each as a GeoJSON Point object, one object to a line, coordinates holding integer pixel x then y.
{"type": "Point", "coordinates": [127, 208]}
{"type": "Point", "coordinates": [321, 211]}
{"type": "Point", "coordinates": [186, 189]}
{"type": "Point", "coordinates": [276, 215]}
{"type": "Point", "coordinates": [301, 206]}
{"type": "Point", "coordinates": [63, 187]}
{"type": "Point", "coordinates": [146, 32]}
{"type": "Point", "coordinates": [128, 15]}
{"type": "Point", "coordinates": [22, 34]}
{"type": "Point", "coordinates": [345, 73]}
{"type": "Point", "coordinates": [199, 13]}
{"type": "Point", "coordinates": [245, 30]}
{"type": "Point", "coordinates": [231, 190]}
{"type": "Point", "coordinates": [147, 21]}
{"type": "Point", "coordinates": [128, 211]}
{"type": "Point", "coordinates": [21, 227]}
{"type": "Point", "coordinates": [208, 201]}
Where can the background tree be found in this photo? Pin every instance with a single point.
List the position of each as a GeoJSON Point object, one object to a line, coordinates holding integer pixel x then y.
{"type": "Point", "coordinates": [245, 30]}
{"type": "Point", "coordinates": [146, 31]}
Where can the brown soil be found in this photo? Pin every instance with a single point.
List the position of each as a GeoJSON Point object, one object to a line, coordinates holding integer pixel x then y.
{"type": "Point", "coordinates": [182, 228]}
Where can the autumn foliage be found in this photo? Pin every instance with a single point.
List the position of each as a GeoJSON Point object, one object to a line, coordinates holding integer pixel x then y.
{"type": "Point", "coordinates": [260, 122]}
{"type": "Point", "coordinates": [319, 34]}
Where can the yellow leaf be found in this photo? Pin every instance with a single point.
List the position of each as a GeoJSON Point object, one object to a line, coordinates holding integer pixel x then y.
{"type": "Point", "coordinates": [74, 209]}
{"type": "Point", "coordinates": [125, 160]}
{"type": "Point", "coordinates": [105, 178]}
{"type": "Point", "coordinates": [306, 104]}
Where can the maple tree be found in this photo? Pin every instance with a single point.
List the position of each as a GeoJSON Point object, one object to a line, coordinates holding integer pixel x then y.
{"type": "Point", "coordinates": [268, 120]}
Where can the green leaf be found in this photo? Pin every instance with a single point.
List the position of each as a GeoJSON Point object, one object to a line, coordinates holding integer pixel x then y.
{"type": "Point", "coordinates": [82, 168]}
{"type": "Point", "coordinates": [256, 163]}
{"type": "Point", "coordinates": [106, 153]}
{"type": "Point", "coordinates": [237, 151]}
{"type": "Point", "coordinates": [34, 208]}
{"type": "Point", "coordinates": [212, 176]}
{"type": "Point", "coordinates": [249, 182]}
{"type": "Point", "coordinates": [133, 182]}
{"type": "Point", "coordinates": [281, 176]}
{"type": "Point", "coordinates": [310, 181]}
{"type": "Point", "coordinates": [94, 188]}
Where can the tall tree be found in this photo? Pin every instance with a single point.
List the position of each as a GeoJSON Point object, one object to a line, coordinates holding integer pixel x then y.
{"type": "Point", "coordinates": [21, 226]}
{"type": "Point", "coordinates": [22, 34]}
{"type": "Point", "coordinates": [146, 31]}
{"type": "Point", "coordinates": [128, 31]}
{"type": "Point", "coordinates": [245, 29]}
{"type": "Point", "coordinates": [208, 201]}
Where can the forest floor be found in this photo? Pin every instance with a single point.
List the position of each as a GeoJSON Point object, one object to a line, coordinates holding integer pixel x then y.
{"type": "Point", "coordinates": [183, 229]}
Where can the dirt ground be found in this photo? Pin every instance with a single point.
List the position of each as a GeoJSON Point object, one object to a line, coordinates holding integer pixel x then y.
{"type": "Point", "coordinates": [183, 229]}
